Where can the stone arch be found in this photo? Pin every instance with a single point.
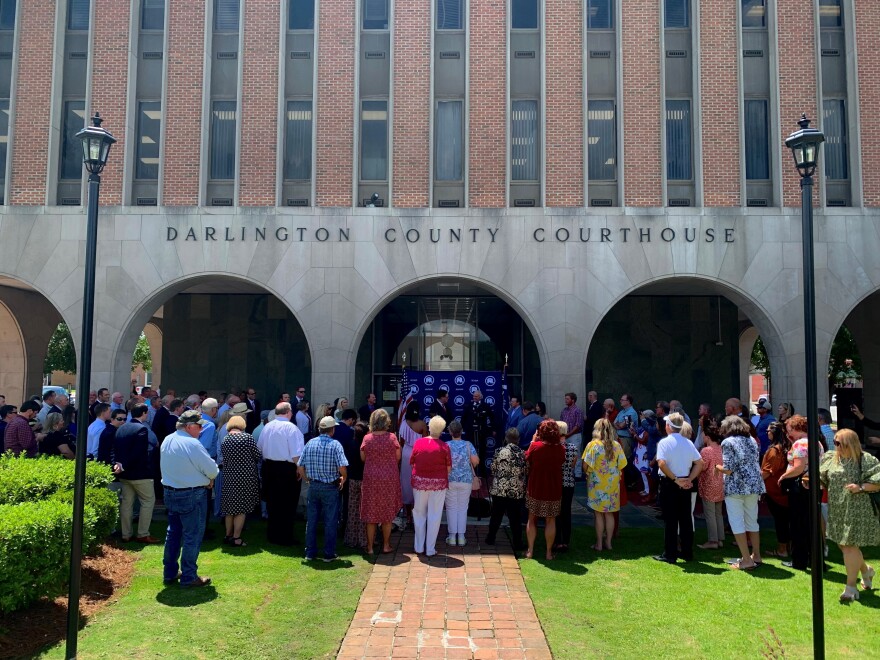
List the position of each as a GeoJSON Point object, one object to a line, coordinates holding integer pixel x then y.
{"type": "Point", "coordinates": [28, 318]}
{"type": "Point", "coordinates": [141, 315]}
{"type": "Point", "coordinates": [380, 303]}
{"type": "Point", "coordinates": [862, 318]}
{"type": "Point", "coordinates": [697, 285]}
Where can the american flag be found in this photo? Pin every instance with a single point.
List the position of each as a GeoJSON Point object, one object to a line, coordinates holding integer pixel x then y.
{"type": "Point", "coordinates": [406, 398]}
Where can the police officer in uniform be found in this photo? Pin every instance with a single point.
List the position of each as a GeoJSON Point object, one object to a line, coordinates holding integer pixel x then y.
{"type": "Point", "coordinates": [476, 420]}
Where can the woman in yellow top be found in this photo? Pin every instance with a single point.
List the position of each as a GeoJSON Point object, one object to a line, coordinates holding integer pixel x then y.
{"type": "Point", "coordinates": [604, 461]}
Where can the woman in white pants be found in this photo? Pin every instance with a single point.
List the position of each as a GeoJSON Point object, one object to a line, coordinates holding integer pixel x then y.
{"type": "Point", "coordinates": [461, 479]}
{"type": "Point", "coordinates": [743, 486]}
{"type": "Point", "coordinates": [431, 463]}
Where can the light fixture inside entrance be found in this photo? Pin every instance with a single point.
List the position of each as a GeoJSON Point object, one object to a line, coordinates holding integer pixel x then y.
{"type": "Point", "coordinates": [447, 341]}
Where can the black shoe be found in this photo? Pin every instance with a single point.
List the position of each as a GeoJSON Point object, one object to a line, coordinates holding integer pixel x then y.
{"type": "Point", "coordinates": [198, 582]}
{"type": "Point", "coordinates": [663, 558]}
{"type": "Point", "coordinates": [174, 579]}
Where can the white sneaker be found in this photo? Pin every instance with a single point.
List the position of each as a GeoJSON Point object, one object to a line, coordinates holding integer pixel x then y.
{"type": "Point", "coordinates": [461, 540]}
{"type": "Point", "coordinates": [450, 540]}
{"type": "Point", "coordinates": [868, 579]}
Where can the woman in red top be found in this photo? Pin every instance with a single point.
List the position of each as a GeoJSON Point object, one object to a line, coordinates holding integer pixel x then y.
{"type": "Point", "coordinates": [773, 466]}
{"type": "Point", "coordinates": [380, 488]}
{"type": "Point", "coordinates": [545, 457]}
{"type": "Point", "coordinates": [431, 463]}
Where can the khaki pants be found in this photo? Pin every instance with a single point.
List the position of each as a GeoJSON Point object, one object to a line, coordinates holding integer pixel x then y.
{"type": "Point", "coordinates": [143, 489]}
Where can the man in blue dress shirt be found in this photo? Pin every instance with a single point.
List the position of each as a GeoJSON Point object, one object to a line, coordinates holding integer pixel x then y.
{"type": "Point", "coordinates": [188, 473]}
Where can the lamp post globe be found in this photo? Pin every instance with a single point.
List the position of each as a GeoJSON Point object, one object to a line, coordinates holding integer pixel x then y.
{"type": "Point", "coordinates": [804, 145]}
{"type": "Point", "coordinates": [96, 143]}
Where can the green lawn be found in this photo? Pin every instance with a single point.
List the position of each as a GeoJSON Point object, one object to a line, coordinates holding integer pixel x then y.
{"type": "Point", "coordinates": [626, 605]}
{"type": "Point", "coordinates": [263, 603]}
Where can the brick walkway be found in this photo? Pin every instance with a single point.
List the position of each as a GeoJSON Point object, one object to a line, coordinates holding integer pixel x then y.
{"type": "Point", "coordinates": [466, 602]}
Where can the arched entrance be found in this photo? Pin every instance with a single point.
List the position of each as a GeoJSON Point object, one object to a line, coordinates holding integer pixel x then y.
{"type": "Point", "coordinates": [446, 324]}
{"type": "Point", "coordinates": [682, 338]}
{"type": "Point", "coordinates": [850, 357]}
{"type": "Point", "coordinates": [218, 333]}
{"type": "Point", "coordinates": [27, 320]}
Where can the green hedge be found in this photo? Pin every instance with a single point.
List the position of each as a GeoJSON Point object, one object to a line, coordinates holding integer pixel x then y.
{"type": "Point", "coordinates": [35, 532]}
{"type": "Point", "coordinates": [31, 479]}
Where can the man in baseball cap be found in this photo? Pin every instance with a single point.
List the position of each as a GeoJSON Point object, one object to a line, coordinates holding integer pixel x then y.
{"type": "Point", "coordinates": [765, 419]}
{"type": "Point", "coordinates": [188, 473]}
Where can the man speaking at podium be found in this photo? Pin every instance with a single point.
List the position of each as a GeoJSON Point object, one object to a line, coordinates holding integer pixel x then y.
{"type": "Point", "coordinates": [476, 420]}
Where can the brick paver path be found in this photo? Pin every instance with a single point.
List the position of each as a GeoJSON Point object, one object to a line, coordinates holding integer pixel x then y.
{"type": "Point", "coordinates": [466, 602]}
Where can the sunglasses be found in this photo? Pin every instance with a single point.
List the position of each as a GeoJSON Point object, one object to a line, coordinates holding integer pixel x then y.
{"type": "Point", "coordinates": [837, 443]}
{"type": "Point", "coordinates": [119, 419]}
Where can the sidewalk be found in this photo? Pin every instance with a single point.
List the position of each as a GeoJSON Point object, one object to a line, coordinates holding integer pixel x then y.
{"type": "Point", "coordinates": [467, 602]}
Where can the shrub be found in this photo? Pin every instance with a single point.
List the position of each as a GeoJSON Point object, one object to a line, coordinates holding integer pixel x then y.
{"type": "Point", "coordinates": [31, 479]}
{"type": "Point", "coordinates": [34, 542]}
{"type": "Point", "coordinates": [99, 515]}
{"type": "Point", "coordinates": [36, 524]}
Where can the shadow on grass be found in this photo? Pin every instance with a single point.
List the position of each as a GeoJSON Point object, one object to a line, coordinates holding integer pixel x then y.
{"type": "Point", "coordinates": [321, 565]}
{"type": "Point", "coordinates": [173, 595]}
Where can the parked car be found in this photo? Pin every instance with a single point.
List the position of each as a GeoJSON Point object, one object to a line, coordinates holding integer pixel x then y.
{"type": "Point", "coordinates": [54, 388]}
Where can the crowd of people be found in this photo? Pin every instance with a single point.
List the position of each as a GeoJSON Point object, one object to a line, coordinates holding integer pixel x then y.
{"type": "Point", "coordinates": [229, 457]}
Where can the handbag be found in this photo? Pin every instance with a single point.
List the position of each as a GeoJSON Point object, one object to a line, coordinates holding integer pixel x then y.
{"type": "Point", "coordinates": [476, 482]}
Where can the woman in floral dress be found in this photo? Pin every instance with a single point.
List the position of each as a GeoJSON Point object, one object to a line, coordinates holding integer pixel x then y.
{"type": "Point", "coordinates": [604, 461]}
{"type": "Point", "coordinates": [380, 489]}
{"type": "Point", "coordinates": [849, 475]}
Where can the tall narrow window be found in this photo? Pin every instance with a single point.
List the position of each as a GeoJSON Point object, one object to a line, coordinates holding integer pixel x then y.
{"type": "Point", "coordinates": [677, 13]}
{"type": "Point", "coordinates": [298, 141]}
{"type": "Point", "coordinates": [836, 150]}
{"type": "Point", "coordinates": [223, 117]}
{"type": "Point", "coordinates": [225, 15]}
{"type": "Point", "coordinates": [302, 15]}
{"type": "Point", "coordinates": [602, 141]}
{"type": "Point", "coordinates": [449, 14]}
{"type": "Point", "coordinates": [148, 131]}
{"type": "Point", "coordinates": [71, 146]}
{"type": "Point", "coordinates": [78, 14]}
{"type": "Point", "coordinates": [374, 141]}
{"type": "Point", "coordinates": [600, 15]}
{"type": "Point", "coordinates": [4, 135]}
{"type": "Point", "coordinates": [153, 15]}
{"type": "Point", "coordinates": [754, 13]}
{"type": "Point", "coordinates": [448, 141]}
{"type": "Point", "coordinates": [830, 14]}
{"type": "Point", "coordinates": [524, 141]}
{"type": "Point", "coordinates": [679, 156]}
{"type": "Point", "coordinates": [757, 134]}
{"type": "Point", "coordinates": [7, 14]}
{"type": "Point", "coordinates": [524, 14]}
{"type": "Point", "coordinates": [375, 14]}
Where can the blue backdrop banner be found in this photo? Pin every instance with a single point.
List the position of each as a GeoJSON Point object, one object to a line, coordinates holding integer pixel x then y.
{"type": "Point", "coordinates": [461, 385]}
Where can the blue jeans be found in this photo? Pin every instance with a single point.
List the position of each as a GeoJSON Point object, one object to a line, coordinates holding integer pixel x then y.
{"type": "Point", "coordinates": [323, 499]}
{"type": "Point", "coordinates": [186, 526]}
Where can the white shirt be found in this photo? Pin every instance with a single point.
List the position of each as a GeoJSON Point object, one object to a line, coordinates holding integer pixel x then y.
{"type": "Point", "coordinates": [679, 454]}
{"type": "Point", "coordinates": [280, 440]}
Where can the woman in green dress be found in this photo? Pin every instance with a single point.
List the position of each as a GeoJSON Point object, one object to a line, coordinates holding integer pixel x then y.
{"type": "Point", "coordinates": [849, 475]}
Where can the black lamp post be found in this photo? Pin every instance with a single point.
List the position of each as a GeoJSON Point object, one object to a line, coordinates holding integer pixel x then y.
{"type": "Point", "coordinates": [96, 143]}
{"type": "Point", "coordinates": [804, 145]}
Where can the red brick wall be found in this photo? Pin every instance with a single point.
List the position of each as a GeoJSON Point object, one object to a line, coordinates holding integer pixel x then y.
{"type": "Point", "coordinates": [719, 100]}
{"type": "Point", "coordinates": [109, 88]}
{"type": "Point", "coordinates": [259, 104]}
{"type": "Point", "coordinates": [335, 106]}
{"type": "Point", "coordinates": [487, 157]}
{"type": "Point", "coordinates": [412, 105]}
{"type": "Point", "coordinates": [564, 135]}
{"type": "Point", "coordinates": [183, 103]}
{"type": "Point", "coordinates": [797, 83]}
{"type": "Point", "coordinates": [33, 103]}
{"type": "Point", "coordinates": [642, 114]}
{"type": "Point", "coordinates": [867, 15]}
